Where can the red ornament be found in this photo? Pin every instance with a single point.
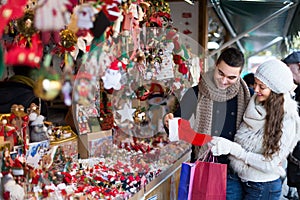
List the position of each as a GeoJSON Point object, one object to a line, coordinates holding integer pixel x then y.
{"type": "Point", "coordinates": [11, 10]}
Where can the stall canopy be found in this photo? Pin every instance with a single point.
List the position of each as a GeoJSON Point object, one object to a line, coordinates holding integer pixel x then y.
{"type": "Point", "coordinates": [257, 25]}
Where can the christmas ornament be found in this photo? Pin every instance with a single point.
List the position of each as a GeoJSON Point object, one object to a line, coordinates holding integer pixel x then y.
{"type": "Point", "coordinates": [49, 15]}
{"type": "Point", "coordinates": [31, 4]}
{"type": "Point", "coordinates": [157, 96]}
{"type": "Point", "coordinates": [83, 44]}
{"type": "Point", "coordinates": [85, 16]}
{"type": "Point", "coordinates": [68, 39]}
{"type": "Point", "coordinates": [83, 88]}
{"type": "Point", "coordinates": [23, 56]}
{"type": "Point", "coordinates": [142, 93]}
{"type": "Point", "coordinates": [38, 130]}
{"type": "Point", "coordinates": [47, 88]}
{"type": "Point", "coordinates": [25, 25]}
{"type": "Point", "coordinates": [82, 120]}
{"type": "Point", "coordinates": [109, 13]}
{"type": "Point", "coordinates": [112, 76]}
{"type": "Point", "coordinates": [106, 118]}
{"type": "Point", "coordinates": [48, 83]}
{"type": "Point", "coordinates": [9, 11]}
{"type": "Point", "coordinates": [140, 117]}
{"type": "Point", "coordinates": [126, 113]}
{"type": "Point", "coordinates": [67, 86]}
{"type": "Point", "coordinates": [18, 110]}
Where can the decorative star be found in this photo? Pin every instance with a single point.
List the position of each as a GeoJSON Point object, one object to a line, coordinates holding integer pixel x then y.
{"type": "Point", "coordinates": [126, 113]}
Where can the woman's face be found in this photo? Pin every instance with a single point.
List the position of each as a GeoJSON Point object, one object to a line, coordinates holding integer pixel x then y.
{"type": "Point", "coordinates": [262, 91]}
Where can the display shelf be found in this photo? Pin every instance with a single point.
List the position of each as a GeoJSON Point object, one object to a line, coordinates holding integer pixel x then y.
{"type": "Point", "coordinates": [164, 181]}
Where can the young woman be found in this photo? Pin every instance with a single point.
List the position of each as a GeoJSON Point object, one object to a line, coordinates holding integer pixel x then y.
{"type": "Point", "coordinates": [268, 133]}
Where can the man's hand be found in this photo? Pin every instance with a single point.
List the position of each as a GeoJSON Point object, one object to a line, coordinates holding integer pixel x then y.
{"type": "Point", "coordinates": [166, 119]}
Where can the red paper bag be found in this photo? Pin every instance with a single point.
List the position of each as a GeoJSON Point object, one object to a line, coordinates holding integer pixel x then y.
{"type": "Point", "coordinates": [209, 181]}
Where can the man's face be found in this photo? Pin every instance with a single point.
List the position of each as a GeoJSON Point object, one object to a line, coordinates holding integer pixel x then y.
{"type": "Point", "coordinates": [225, 75]}
{"type": "Point", "coordinates": [295, 69]}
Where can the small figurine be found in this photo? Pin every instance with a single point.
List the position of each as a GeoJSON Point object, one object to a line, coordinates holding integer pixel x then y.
{"type": "Point", "coordinates": [83, 123]}
{"type": "Point", "coordinates": [33, 108]}
{"type": "Point", "coordinates": [7, 162]}
{"type": "Point", "coordinates": [37, 128]}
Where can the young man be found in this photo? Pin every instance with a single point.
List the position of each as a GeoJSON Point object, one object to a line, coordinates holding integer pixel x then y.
{"type": "Point", "coordinates": [293, 169]}
{"type": "Point", "coordinates": [218, 103]}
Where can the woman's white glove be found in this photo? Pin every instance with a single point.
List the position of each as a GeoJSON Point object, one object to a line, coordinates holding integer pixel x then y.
{"type": "Point", "coordinates": [222, 146]}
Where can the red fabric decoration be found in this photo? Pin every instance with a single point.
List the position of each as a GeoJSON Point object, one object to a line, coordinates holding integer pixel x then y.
{"type": "Point", "coordinates": [183, 68]}
{"type": "Point", "coordinates": [6, 195]}
{"type": "Point", "coordinates": [111, 10]}
{"type": "Point", "coordinates": [23, 56]}
{"type": "Point", "coordinates": [35, 179]}
{"type": "Point", "coordinates": [13, 9]}
{"type": "Point", "coordinates": [177, 59]}
{"type": "Point", "coordinates": [187, 134]}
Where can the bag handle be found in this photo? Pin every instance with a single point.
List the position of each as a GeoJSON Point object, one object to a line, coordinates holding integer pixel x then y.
{"type": "Point", "coordinates": [207, 156]}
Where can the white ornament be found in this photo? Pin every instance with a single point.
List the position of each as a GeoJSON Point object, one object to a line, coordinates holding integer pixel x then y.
{"type": "Point", "coordinates": [126, 113]}
{"type": "Point", "coordinates": [49, 15]}
{"type": "Point", "coordinates": [85, 15]}
{"type": "Point", "coordinates": [111, 79]}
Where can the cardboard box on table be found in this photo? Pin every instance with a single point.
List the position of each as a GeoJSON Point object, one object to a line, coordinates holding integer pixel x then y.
{"type": "Point", "coordinates": [90, 142]}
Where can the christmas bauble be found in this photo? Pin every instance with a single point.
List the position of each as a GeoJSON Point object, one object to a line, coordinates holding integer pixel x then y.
{"type": "Point", "coordinates": [140, 117]}
{"type": "Point", "coordinates": [47, 89]}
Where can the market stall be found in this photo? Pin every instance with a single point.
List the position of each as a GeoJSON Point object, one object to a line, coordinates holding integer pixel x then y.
{"type": "Point", "coordinates": [118, 67]}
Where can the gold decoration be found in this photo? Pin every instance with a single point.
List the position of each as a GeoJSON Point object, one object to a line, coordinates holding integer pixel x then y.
{"type": "Point", "coordinates": [25, 25]}
{"type": "Point", "coordinates": [47, 89]}
{"type": "Point", "coordinates": [140, 117]}
{"type": "Point", "coordinates": [68, 38]}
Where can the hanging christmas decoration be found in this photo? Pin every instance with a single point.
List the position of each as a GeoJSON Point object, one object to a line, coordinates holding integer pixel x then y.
{"type": "Point", "coordinates": [12, 10]}
{"type": "Point", "coordinates": [68, 39]}
{"type": "Point", "coordinates": [67, 85]}
{"type": "Point", "coordinates": [106, 118]}
{"type": "Point", "coordinates": [48, 84]}
{"type": "Point", "coordinates": [49, 15]}
{"type": "Point", "coordinates": [83, 92]}
{"type": "Point", "coordinates": [25, 25]}
{"type": "Point", "coordinates": [31, 5]}
{"type": "Point", "coordinates": [140, 117]}
{"type": "Point", "coordinates": [126, 113]}
{"type": "Point", "coordinates": [112, 76]}
{"type": "Point", "coordinates": [67, 43]}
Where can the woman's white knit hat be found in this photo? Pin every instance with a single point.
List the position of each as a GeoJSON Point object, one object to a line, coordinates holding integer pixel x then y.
{"type": "Point", "coordinates": [276, 76]}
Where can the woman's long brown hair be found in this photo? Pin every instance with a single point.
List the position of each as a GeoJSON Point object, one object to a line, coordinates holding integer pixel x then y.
{"type": "Point", "coordinates": [273, 127]}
